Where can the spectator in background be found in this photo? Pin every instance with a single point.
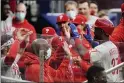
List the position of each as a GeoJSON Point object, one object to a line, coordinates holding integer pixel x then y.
{"type": "Point", "coordinates": [103, 14]}
{"type": "Point", "coordinates": [84, 8]}
{"type": "Point", "coordinates": [71, 9]}
{"type": "Point", "coordinates": [95, 74]}
{"type": "Point", "coordinates": [20, 22]}
{"type": "Point", "coordinates": [6, 19]}
{"type": "Point", "coordinates": [5, 10]}
{"type": "Point", "coordinates": [118, 33]}
{"type": "Point", "coordinates": [93, 8]}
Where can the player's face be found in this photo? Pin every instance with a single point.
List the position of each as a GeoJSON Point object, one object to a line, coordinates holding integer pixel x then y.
{"type": "Point", "coordinates": [98, 34]}
{"type": "Point", "coordinates": [71, 7]}
{"type": "Point", "coordinates": [84, 9]}
{"type": "Point", "coordinates": [63, 26]}
{"type": "Point", "coordinates": [100, 78]}
{"type": "Point", "coordinates": [6, 10]}
{"type": "Point", "coordinates": [94, 7]}
{"type": "Point", "coordinates": [48, 38]}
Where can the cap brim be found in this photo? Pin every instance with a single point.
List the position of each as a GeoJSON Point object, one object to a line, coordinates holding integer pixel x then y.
{"type": "Point", "coordinates": [61, 22]}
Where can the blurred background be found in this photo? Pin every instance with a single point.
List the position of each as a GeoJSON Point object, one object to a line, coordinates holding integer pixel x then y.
{"type": "Point", "coordinates": [40, 10]}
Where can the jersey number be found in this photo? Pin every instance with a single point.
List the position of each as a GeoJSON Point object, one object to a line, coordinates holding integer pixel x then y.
{"type": "Point", "coordinates": [114, 62]}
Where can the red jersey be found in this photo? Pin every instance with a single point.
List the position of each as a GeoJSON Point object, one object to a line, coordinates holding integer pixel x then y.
{"type": "Point", "coordinates": [118, 33]}
{"type": "Point", "coordinates": [26, 25]}
{"type": "Point", "coordinates": [75, 71]}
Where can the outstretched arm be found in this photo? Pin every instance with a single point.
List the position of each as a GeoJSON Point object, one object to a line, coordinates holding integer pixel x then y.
{"type": "Point", "coordinates": [18, 47]}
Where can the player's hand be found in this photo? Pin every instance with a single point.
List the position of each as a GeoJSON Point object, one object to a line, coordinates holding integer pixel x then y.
{"type": "Point", "coordinates": [67, 32]}
{"type": "Point", "coordinates": [66, 49]}
{"type": "Point", "coordinates": [77, 60]}
{"type": "Point", "coordinates": [23, 34]}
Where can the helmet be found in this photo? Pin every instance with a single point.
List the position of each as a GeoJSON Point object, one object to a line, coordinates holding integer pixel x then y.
{"type": "Point", "coordinates": [57, 41]}
{"type": "Point", "coordinates": [62, 18]}
{"type": "Point", "coordinates": [122, 7]}
{"type": "Point", "coordinates": [80, 19]}
{"type": "Point", "coordinates": [105, 25]}
{"type": "Point", "coordinates": [46, 31]}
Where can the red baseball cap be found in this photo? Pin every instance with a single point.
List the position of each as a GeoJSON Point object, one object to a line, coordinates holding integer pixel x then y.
{"type": "Point", "coordinates": [57, 41]}
{"type": "Point", "coordinates": [62, 18]}
{"type": "Point", "coordinates": [48, 31]}
{"type": "Point", "coordinates": [122, 7]}
{"type": "Point", "coordinates": [80, 19]}
{"type": "Point", "coordinates": [105, 25]}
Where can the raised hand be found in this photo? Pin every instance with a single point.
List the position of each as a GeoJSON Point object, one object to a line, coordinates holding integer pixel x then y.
{"type": "Point", "coordinates": [66, 49]}
{"type": "Point", "coordinates": [67, 32]}
{"type": "Point", "coordinates": [23, 34]}
{"type": "Point", "coordinates": [77, 60]}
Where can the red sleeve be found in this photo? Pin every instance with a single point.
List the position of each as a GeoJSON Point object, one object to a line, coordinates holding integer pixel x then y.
{"type": "Point", "coordinates": [56, 58]}
{"type": "Point", "coordinates": [64, 64]}
{"type": "Point", "coordinates": [86, 57]}
{"type": "Point", "coordinates": [32, 38]}
{"type": "Point", "coordinates": [65, 71]}
{"type": "Point", "coordinates": [118, 34]}
{"type": "Point", "coordinates": [85, 65]}
{"type": "Point", "coordinates": [34, 35]}
{"type": "Point", "coordinates": [30, 58]}
{"type": "Point", "coordinates": [32, 73]}
{"type": "Point", "coordinates": [14, 49]}
{"type": "Point", "coordinates": [77, 41]}
{"type": "Point", "coordinates": [9, 60]}
{"type": "Point", "coordinates": [49, 74]}
{"type": "Point", "coordinates": [12, 53]}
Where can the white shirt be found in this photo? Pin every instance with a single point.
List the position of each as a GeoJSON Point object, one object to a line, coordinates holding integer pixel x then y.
{"type": "Point", "coordinates": [10, 71]}
{"type": "Point", "coordinates": [108, 56]}
{"type": "Point", "coordinates": [91, 21]}
{"type": "Point", "coordinates": [6, 26]}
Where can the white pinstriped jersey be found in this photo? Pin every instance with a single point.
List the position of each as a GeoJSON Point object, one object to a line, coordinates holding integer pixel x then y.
{"type": "Point", "coordinates": [107, 55]}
